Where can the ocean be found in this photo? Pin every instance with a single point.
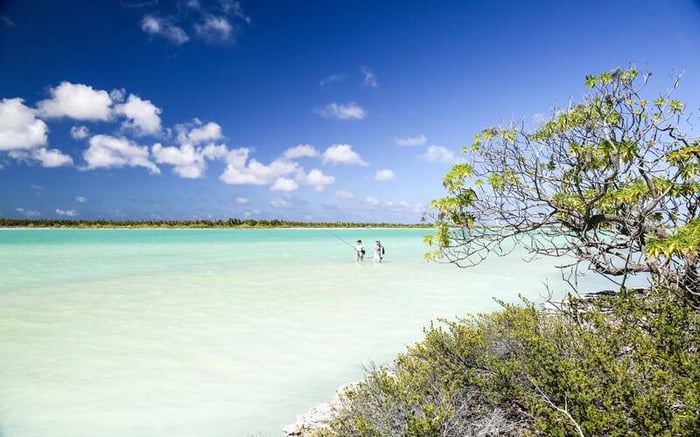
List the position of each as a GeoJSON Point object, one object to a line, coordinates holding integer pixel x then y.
{"type": "Point", "coordinates": [161, 332]}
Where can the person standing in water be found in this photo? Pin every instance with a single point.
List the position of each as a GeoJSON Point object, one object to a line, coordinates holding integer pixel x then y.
{"type": "Point", "coordinates": [360, 251]}
{"type": "Point", "coordinates": [378, 252]}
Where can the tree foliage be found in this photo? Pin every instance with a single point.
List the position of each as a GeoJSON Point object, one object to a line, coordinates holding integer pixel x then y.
{"type": "Point", "coordinates": [612, 182]}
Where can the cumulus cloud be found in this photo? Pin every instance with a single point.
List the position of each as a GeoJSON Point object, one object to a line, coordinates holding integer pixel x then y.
{"type": "Point", "coordinates": [240, 171]}
{"type": "Point", "coordinates": [369, 79]}
{"type": "Point", "coordinates": [77, 101]}
{"type": "Point", "coordinates": [301, 151]}
{"type": "Point", "coordinates": [197, 132]}
{"type": "Point", "coordinates": [318, 180]}
{"type": "Point", "coordinates": [190, 158]}
{"type": "Point", "coordinates": [384, 175]}
{"type": "Point", "coordinates": [214, 151]}
{"type": "Point", "coordinates": [342, 111]}
{"type": "Point", "coordinates": [106, 151]}
{"type": "Point", "coordinates": [333, 78]}
{"type": "Point", "coordinates": [281, 174]}
{"type": "Point", "coordinates": [214, 29]}
{"type": "Point", "coordinates": [66, 212]}
{"type": "Point", "coordinates": [28, 212]}
{"type": "Point", "coordinates": [342, 154]}
{"type": "Point", "coordinates": [117, 95]}
{"type": "Point", "coordinates": [19, 127]}
{"type": "Point", "coordinates": [438, 154]}
{"type": "Point", "coordinates": [187, 161]}
{"type": "Point", "coordinates": [51, 158]}
{"type": "Point", "coordinates": [207, 132]}
{"type": "Point", "coordinates": [79, 132]}
{"type": "Point", "coordinates": [142, 115]}
{"type": "Point", "coordinates": [164, 28]}
{"type": "Point", "coordinates": [241, 200]}
{"type": "Point", "coordinates": [418, 140]}
{"type": "Point", "coordinates": [80, 199]}
{"type": "Point", "coordinates": [284, 184]}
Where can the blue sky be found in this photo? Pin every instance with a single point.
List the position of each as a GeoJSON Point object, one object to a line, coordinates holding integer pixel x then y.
{"type": "Point", "coordinates": [308, 110]}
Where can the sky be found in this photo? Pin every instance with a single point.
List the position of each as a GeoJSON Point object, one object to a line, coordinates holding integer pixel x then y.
{"type": "Point", "coordinates": [297, 110]}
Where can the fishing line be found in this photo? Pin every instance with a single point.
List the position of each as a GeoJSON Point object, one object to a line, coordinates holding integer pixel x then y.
{"type": "Point", "coordinates": [339, 238]}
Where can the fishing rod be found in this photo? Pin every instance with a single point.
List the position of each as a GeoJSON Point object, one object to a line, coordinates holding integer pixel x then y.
{"type": "Point", "coordinates": [340, 239]}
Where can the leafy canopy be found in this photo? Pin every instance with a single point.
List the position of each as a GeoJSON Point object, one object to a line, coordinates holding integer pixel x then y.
{"type": "Point", "coordinates": [612, 182]}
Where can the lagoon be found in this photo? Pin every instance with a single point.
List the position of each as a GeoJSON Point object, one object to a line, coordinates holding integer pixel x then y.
{"type": "Point", "coordinates": [221, 332]}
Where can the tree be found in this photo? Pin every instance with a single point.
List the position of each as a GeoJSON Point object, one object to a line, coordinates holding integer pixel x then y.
{"type": "Point", "coordinates": [611, 182]}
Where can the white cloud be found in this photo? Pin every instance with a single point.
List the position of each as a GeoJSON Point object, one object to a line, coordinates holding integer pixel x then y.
{"type": "Point", "coordinates": [214, 151]}
{"type": "Point", "coordinates": [106, 152]}
{"type": "Point", "coordinates": [208, 132]}
{"type": "Point", "coordinates": [370, 79]}
{"type": "Point", "coordinates": [411, 141]}
{"type": "Point", "coordinates": [234, 8]}
{"type": "Point", "coordinates": [67, 212]}
{"type": "Point", "coordinates": [19, 127]}
{"type": "Point", "coordinates": [79, 132]}
{"type": "Point", "coordinates": [142, 115]}
{"type": "Point", "coordinates": [284, 184]}
{"type": "Point", "coordinates": [117, 95]}
{"type": "Point", "coordinates": [241, 200]}
{"type": "Point", "coordinates": [164, 28]}
{"type": "Point", "coordinates": [197, 132]}
{"type": "Point", "coordinates": [80, 199]}
{"type": "Point", "coordinates": [237, 157]}
{"type": "Point", "coordinates": [28, 212]}
{"type": "Point", "coordinates": [372, 201]}
{"type": "Point", "coordinates": [237, 172]}
{"type": "Point", "coordinates": [51, 158]}
{"type": "Point", "coordinates": [189, 161]}
{"type": "Point", "coordinates": [279, 203]}
{"type": "Point", "coordinates": [384, 175]}
{"type": "Point", "coordinates": [214, 29]}
{"type": "Point", "coordinates": [77, 101]}
{"type": "Point", "coordinates": [438, 153]}
{"type": "Point", "coordinates": [281, 174]}
{"type": "Point", "coordinates": [342, 111]}
{"type": "Point", "coordinates": [345, 194]}
{"type": "Point", "coordinates": [342, 154]}
{"type": "Point", "coordinates": [318, 180]}
{"type": "Point", "coordinates": [333, 78]}
{"type": "Point", "coordinates": [301, 151]}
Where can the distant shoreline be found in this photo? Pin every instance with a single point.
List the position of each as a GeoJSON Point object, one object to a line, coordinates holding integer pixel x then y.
{"type": "Point", "coordinates": [195, 224]}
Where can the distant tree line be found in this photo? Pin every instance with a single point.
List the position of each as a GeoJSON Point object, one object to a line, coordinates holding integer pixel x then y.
{"type": "Point", "coordinates": [228, 223]}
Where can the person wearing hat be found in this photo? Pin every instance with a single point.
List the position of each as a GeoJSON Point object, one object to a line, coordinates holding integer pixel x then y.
{"type": "Point", "coordinates": [359, 251]}
{"type": "Point", "coordinates": [378, 252]}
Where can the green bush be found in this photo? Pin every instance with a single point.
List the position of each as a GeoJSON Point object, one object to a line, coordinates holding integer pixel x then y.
{"type": "Point", "coordinates": [617, 365]}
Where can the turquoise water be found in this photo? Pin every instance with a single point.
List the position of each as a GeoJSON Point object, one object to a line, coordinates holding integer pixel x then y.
{"type": "Point", "coordinates": [214, 332]}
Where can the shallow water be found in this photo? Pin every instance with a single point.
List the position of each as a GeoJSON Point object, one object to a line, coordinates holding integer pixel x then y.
{"type": "Point", "coordinates": [214, 332]}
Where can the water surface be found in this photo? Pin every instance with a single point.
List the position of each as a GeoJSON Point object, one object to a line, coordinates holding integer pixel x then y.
{"type": "Point", "coordinates": [214, 332]}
